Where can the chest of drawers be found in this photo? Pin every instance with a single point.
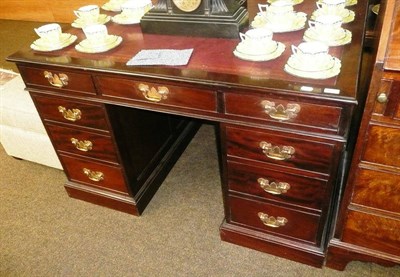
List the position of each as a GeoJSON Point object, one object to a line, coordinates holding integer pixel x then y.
{"type": "Point", "coordinates": [282, 139]}
{"type": "Point", "coordinates": [367, 228]}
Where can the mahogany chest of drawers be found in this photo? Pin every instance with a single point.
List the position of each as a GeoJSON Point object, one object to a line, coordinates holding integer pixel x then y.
{"type": "Point", "coordinates": [282, 139]}
{"type": "Point", "coordinates": [368, 224]}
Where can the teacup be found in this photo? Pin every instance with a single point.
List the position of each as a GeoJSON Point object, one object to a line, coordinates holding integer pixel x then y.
{"type": "Point", "coordinates": [313, 53]}
{"type": "Point", "coordinates": [88, 14]}
{"type": "Point", "coordinates": [96, 33]}
{"type": "Point", "coordinates": [257, 40]}
{"type": "Point", "coordinates": [135, 8]}
{"type": "Point", "coordinates": [278, 12]}
{"type": "Point", "coordinates": [326, 25]}
{"type": "Point", "coordinates": [331, 6]}
{"type": "Point", "coordinates": [50, 32]}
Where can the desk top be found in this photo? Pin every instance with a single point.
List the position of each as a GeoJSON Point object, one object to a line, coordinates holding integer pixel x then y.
{"type": "Point", "coordinates": [213, 62]}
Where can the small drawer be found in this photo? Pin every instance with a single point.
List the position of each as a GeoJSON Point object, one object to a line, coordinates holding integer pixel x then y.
{"type": "Point", "coordinates": [284, 111]}
{"type": "Point", "coordinates": [274, 219]}
{"type": "Point", "coordinates": [377, 189]}
{"type": "Point", "coordinates": [162, 94]}
{"type": "Point", "coordinates": [276, 185]}
{"type": "Point", "coordinates": [94, 174]}
{"type": "Point", "coordinates": [372, 231]}
{"type": "Point", "coordinates": [281, 149]}
{"type": "Point", "coordinates": [58, 80]}
{"type": "Point", "coordinates": [383, 146]}
{"type": "Point", "coordinates": [87, 144]}
{"type": "Point", "coordinates": [71, 112]}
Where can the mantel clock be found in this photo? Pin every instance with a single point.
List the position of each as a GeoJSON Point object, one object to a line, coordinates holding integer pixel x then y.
{"type": "Point", "coordinates": [210, 18]}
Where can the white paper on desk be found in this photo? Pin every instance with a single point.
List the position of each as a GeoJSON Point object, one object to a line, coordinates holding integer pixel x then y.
{"type": "Point", "coordinates": [161, 57]}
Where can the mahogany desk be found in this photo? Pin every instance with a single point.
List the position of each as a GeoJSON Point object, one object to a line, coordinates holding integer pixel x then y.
{"type": "Point", "coordinates": [118, 129]}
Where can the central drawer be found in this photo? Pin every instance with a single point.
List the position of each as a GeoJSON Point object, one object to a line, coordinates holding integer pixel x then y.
{"type": "Point", "coordinates": [162, 94]}
{"type": "Point", "coordinates": [278, 148]}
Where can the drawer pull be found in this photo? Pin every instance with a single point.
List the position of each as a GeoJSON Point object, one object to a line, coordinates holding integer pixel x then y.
{"type": "Point", "coordinates": [85, 145]}
{"type": "Point", "coordinates": [382, 98]}
{"type": "Point", "coordinates": [96, 176]}
{"type": "Point", "coordinates": [275, 152]}
{"type": "Point", "coordinates": [273, 188]}
{"type": "Point", "coordinates": [55, 80]}
{"type": "Point", "coordinates": [279, 112]}
{"type": "Point", "coordinates": [272, 221]}
{"type": "Point", "coordinates": [153, 94]}
{"type": "Point", "coordinates": [71, 115]}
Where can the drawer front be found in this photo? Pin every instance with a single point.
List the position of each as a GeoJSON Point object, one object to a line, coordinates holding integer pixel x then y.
{"type": "Point", "coordinates": [94, 174]}
{"type": "Point", "coordinates": [377, 189]}
{"type": "Point", "coordinates": [83, 143]}
{"type": "Point", "coordinates": [283, 111]}
{"type": "Point", "coordinates": [372, 231]}
{"type": "Point", "coordinates": [60, 81]}
{"type": "Point", "coordinates": [71, 112]}
{"type": "Point", "coordinates": [273, 219]}
{"type": "Point", "coordinates": [165, 95]}
{"type": "Point", "coordinates": [280, 149]}
{"type": "Point", "coordinates": [383, 146]}
{"type": "Point", "coordinates": [277, 185]}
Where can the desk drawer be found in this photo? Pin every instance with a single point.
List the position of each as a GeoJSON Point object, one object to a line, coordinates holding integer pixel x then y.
{"type": "Point", "coordinates": [71, 112]}
{"type": "Point", "coordinates": [280, 149]}
{"type": "Point", "coordinates": [276, 185]}
{"type": "Point", "coordinates": [162, 94]}
{"type": "Point", "coordinates": [372, 231]}
{"type": "Point", "coordinates": [58, 80]}
{"type": "Point", "coordinates": [284, 111]}
{"type": "Point", "coordinates": [83, 143]}
{"type": "Point", "coordinates": [274, 219]}
{"type": "Point", "coordinates": [94, 174]}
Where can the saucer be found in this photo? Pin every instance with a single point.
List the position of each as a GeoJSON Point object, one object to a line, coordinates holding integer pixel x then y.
{"type": "Point", "coordinates": [102, 19]}
{"type": "Point", "coordinates": [347, 15]}
{"type": "Point", "coordinates": [86, 46]}
{"type": "Point", "coordinates": [261, 21]}
{"type": "Point", "coordinates": [125, 20]}
{"type": "Point", "coordinates": [295, 2]}
{"type": "Point", "coordinates": [295, 63]}
{"type": "Point", "coordinates": [111, 7]}
{"type": "Point", "coordinates": [341, 38]}
{"type": "Point", "coordinates": [46, 46]}
{"type": "Point", "coordinates": [321, 74]}
{"type": "Point", "coordinates": [260, 57]}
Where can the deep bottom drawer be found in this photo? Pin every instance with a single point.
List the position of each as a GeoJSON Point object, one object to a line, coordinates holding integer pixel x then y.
{"type": "Point", "coordinates": [274, 219]}
{"type": "Point", "coordinates": [372, 231]}
{"type": "Point", "coordinates": [94, 174]}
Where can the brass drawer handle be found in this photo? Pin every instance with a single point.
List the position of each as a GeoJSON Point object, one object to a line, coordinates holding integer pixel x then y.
{"type": "Point", "coordinates": [272, 221]}
{"type": "Point", "coordinates": [279, 112]}
{"type": "Point", "coordinates": [275, 152]}
{"type": "Point", "coordinates": [96, 176]}
{"type": "Point", "coordinates": [153, 94]}
{"type": "Point", "coordinates": [272, 187]}
{"type": "Point", "coordinates": [85, 145]}
{"type": "Point", "coordinates": [55, 80]}
{"type": "Point", "coordinates": [71, 115]}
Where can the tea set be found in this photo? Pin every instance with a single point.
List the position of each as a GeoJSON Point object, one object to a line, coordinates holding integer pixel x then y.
{"type": "Point", "coordinates": [258, 45]}
{"type": "Point", "coordinates": [312, 60]}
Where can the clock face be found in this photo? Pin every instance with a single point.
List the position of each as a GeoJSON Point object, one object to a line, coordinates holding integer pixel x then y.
{"type": "Point", "coordinates": [187, 5]}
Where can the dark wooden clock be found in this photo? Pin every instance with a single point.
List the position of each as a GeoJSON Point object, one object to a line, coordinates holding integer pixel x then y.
{"type": "Point", "coordinates": [209, 18]}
